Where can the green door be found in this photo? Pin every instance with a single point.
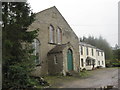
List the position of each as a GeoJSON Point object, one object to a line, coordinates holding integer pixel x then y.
{"type": "Point", "coordinates": [70, 60]}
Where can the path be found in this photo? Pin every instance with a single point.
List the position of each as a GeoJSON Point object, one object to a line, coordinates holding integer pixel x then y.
{"type": "Point", "coordinates": [99, 78]}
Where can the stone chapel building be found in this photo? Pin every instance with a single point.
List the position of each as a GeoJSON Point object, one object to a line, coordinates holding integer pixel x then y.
{"type": "Point", "coordinates": [57, 46]}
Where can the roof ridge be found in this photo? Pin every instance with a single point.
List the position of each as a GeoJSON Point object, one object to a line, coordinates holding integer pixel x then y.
{"type": "Point", "coordinates": [46, 9]}
{"type": "Point", "coordinates": [61, 16]}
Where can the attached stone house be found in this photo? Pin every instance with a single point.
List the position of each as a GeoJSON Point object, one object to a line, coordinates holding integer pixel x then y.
{"type": "Point", "coordinates": [90, 56]}
{"type": "Point", "coordinates": [57, 46]}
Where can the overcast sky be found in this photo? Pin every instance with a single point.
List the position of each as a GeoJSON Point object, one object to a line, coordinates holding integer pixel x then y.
{"type": "Point", "coordinates": [86, 17]}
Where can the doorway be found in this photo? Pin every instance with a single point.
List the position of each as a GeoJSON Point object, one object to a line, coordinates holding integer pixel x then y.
{"type": "Point", "coordinates": [70, 59]}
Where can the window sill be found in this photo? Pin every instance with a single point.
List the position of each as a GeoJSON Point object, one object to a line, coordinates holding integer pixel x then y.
{"type": "Point", "coordinates": [54, 43]}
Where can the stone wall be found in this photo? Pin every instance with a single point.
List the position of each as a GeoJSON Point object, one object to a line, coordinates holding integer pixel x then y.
{"type": "Point", "coordinates": [43, 20]}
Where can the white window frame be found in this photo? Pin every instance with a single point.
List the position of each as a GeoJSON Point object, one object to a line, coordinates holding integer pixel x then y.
{"type": "Point", "coordinates": [102, 63]}
{"type": "Point", "coordinates": [92, 51]}
{"type": "Point", "coordinates": [87, 51]}
{"type": "Point", "coordinates": [98, 62]}
{"type": "Point", "coordinates": [101, 53]}
{"type": "Point", "coordinates": [81, 50]}
{"type": "Point", "coordinates": [98, 53]}
{"type": "Point", "coordinates": [82, 62]}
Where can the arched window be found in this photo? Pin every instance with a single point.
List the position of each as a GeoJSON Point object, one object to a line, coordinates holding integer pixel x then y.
{"type": "Point", "coordinates": [51, 34]}
{"type": "Point", "coordinates": [59, 36]}
{"type": "Point", "coordinates": [36, 47]}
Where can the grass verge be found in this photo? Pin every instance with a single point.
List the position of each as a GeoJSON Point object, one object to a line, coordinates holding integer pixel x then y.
{"type": "Point", "coordinates": [56, 81]}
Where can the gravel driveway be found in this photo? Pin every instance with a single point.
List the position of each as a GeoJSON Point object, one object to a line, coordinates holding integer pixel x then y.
{"type": "Point", "coordinates": [99, 78]}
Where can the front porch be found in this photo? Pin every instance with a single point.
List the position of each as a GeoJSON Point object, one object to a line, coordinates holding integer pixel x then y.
{"type": "Point", "coordinates": [90, 63]}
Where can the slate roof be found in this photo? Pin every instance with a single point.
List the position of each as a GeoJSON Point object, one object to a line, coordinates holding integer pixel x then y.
{"type": "Point", "coordinates": [85, 44]}
{"type": "Point", "coordinates": [57, 49]}
{"type": "Point", "coordinates": [88, 45]}
{"type": "Point", "coordinates": [99, 50]}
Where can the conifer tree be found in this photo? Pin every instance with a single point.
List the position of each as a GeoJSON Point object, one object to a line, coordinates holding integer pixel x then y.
{"type": "Point", "coordinates": [17, 61]}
